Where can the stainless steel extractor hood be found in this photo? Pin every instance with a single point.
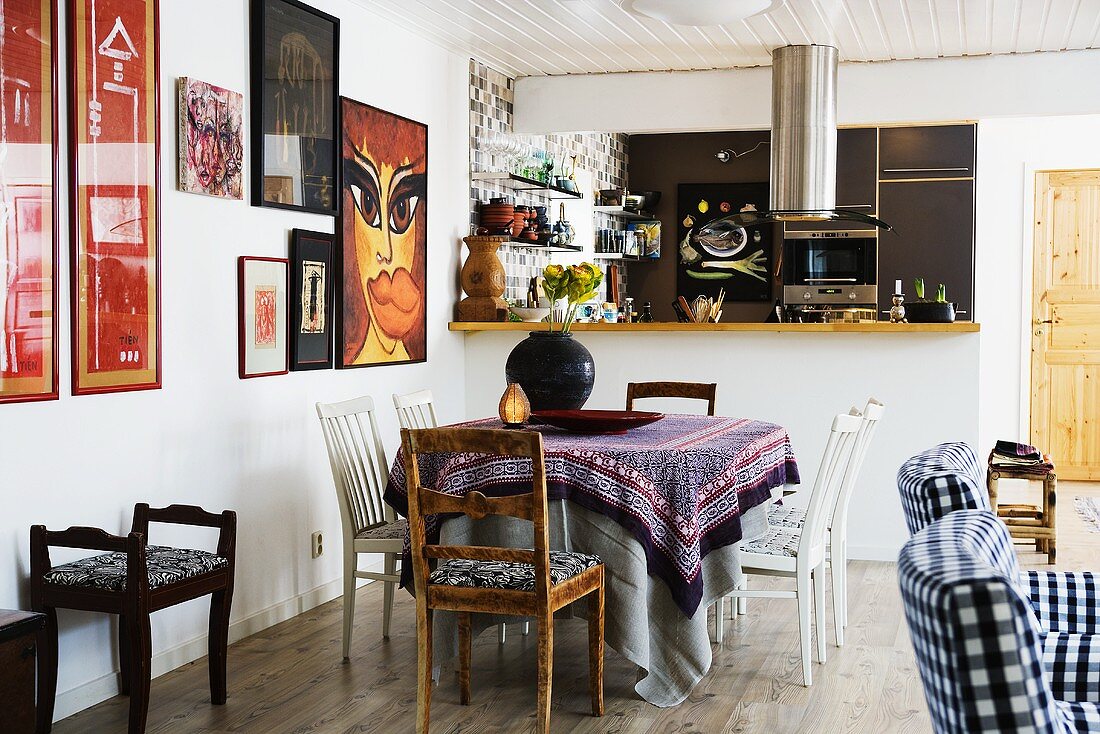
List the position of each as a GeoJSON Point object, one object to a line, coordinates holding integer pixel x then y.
{"type": "Point", "coordinates": [803, 143]}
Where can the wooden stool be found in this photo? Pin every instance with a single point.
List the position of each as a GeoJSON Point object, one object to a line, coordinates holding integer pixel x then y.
{"type": "Point", "coordinates": [1023, 520]}
{"type": "Point", "coordinates": [20, 633]}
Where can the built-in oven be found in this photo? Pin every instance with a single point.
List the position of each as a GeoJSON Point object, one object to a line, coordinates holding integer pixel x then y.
{"type": "Point", "coordinates": [830, 268]}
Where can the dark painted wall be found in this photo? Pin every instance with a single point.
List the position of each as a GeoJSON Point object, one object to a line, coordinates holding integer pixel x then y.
{"type": "Point", "coordinates": [662, 162]}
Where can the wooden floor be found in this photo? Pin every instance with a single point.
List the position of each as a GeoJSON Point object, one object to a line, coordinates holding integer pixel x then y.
{"type": "Point", "coordinates": [290, 678]}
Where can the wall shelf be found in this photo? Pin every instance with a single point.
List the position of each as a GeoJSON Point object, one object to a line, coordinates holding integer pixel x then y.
{"type": "Point", "coordinates": [622, 256]}
{"type": "Point", "coordinates": [627, 214]}
{"type": "Point", "coordinates": [529, 245]}
{"type": "Point", "coordinates": [516, 182]}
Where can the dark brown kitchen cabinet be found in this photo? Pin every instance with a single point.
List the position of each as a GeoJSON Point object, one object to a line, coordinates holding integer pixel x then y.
{"type": "Point", "coordinates": [18, 645]}
{"type": "Point", "coordinates": [928, 151]}
{"type": "Point", "coordinates": [933, 238]}
{"type": "Point", "coordinates": [856, 178]}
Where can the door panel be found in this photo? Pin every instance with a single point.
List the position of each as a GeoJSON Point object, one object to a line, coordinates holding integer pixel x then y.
{"type": "Point", "coordinates": [1065, 361]}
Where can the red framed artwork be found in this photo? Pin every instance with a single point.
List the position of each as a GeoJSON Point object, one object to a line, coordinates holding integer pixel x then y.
{"type": "Point", "coordinates": [262, 316]}
{"type": "Point", "coordinates": [28, 186]}
{"type": "Point", "coordinates": [114, 195]}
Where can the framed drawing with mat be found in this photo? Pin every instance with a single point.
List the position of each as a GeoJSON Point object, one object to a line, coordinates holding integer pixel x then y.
{"type": "Point", "coordinates": [311, 292]}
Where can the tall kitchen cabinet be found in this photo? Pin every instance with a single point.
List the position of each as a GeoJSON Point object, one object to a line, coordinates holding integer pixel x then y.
{"type": "Point", "coordinates": [926, 193]}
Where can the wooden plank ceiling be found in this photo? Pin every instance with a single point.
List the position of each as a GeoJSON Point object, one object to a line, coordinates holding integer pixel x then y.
{"type": "Point", "coordinates": [546, 37]}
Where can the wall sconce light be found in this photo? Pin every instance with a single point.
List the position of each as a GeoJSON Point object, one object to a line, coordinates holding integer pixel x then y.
{"type": "Point", "coordinates": [515, 408]}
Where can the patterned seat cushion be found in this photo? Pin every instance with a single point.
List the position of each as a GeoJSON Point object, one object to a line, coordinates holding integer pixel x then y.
{"type": "Point", "coordinates": [108, 571]}
{"type": "Point", "coordinates": [786, 516]}
{"type": "Point", "coordinates": [391, 531]}
{"type": "Point", "coordinates": [776, 542]}
{"type": "Point", "coordinates": [501, 575]}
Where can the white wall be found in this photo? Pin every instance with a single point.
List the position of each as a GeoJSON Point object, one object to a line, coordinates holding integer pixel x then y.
{"type": "Point", "coordinates": [1010, 151]}
{"type": "Point", "coordinates": [924, 90]}
{"type": "Point", "coordinates": [209, 438]}
{"type": "Point", "coordinates": [929, 383]}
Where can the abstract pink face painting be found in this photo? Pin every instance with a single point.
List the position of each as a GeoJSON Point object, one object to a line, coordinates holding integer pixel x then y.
{"type": "Point", "coordinates": [210, 139]}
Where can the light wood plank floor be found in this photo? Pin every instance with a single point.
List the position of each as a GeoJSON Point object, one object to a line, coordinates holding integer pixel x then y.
{"type": "Point", "coordinates": [290, 678]}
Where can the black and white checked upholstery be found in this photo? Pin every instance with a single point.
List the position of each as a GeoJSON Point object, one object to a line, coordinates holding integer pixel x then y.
{"type": "Point", "coordinates": [940, 480]}
{"type": "Point", "coordinates": [503, 575]}
{"type": "Point", "coordinates": [1063, 602]}
{"type": "Point", "coordinates": [977, 642]}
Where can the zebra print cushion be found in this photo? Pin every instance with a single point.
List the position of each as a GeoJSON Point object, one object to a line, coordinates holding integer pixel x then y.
{"type": "Point", "coordinates": [392, 531]}
{"type": "Point", "coordinates": [776, 542]}
{"type": "Point", "coordinates": [108, 571]}
{"type": "Point", "coordinates": [501, 575]}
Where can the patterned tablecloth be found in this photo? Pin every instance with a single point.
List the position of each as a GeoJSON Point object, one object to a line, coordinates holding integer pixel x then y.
{"type": "Point", "coordinates": [679, 486]}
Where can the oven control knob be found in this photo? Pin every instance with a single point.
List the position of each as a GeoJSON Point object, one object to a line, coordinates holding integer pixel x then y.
{"type": "Point", "coordinates": [852, 296]}
{"type": "Point", "coordinates": [807, 295]}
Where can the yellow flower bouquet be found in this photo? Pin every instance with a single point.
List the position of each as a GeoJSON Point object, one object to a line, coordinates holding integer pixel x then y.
{"type": "Point", "coordinates": [575, 283]}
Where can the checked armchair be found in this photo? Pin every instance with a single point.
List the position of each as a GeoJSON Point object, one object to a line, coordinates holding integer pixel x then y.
{"type": "Point", "coordinates": [979, 648]}
{"type": "Point", "coordinates": [946, 479]}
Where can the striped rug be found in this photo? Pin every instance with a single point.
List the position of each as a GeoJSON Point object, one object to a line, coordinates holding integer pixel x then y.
{"type": "Point", "coordinates": [1089, 510]}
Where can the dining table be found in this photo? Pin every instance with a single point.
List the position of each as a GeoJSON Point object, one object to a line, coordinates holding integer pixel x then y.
{"type": "Point", "coordinates": [665, 506]}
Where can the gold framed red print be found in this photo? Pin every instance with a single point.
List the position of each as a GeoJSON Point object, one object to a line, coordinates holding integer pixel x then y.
{"type": "Point", "coordinates": [114, 195]}
{"type": "Point", "coordinates": [384, 237]}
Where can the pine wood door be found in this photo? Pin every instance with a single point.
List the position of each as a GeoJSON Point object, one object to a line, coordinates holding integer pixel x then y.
{"type": "Point", "coordinates": [1065, 344]}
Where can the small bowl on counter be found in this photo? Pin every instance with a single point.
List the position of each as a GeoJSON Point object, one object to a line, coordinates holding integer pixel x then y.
{"type": "Point", "coordinates": [530, 315]}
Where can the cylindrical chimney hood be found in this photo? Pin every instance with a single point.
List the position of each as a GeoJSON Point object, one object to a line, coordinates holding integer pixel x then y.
{"type": "Point", "coordinates": [803, 170]}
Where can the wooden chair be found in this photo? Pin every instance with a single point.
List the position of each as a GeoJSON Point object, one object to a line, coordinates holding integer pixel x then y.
{"type": "Point", "coordinates": [359, 471]}
{"type": "Point", "coordinates": [495, 580]}
{"type": "Point", "coordinates": [801, 553]}
{"type": "Point", "coordinates": [133, 580]}
{"type": "Point", "coordinates": [688, 390]}
{"type": "Point", "coordinates": [416, 410]}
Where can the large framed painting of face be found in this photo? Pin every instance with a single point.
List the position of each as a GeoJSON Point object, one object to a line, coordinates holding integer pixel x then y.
{"type": "Point", "coordinates": [114, 195]}
{"type": "Point", "coordinates": [384, 238]}
{"type": "Point", "coordinates": [295, 107]}
{"type": "Point", "coordinates": [311, 291]}
{"type": "Point", "coordinates": [28, 186]}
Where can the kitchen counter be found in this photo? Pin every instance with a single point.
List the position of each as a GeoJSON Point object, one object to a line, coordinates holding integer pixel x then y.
{"type": "Point", "coordinates": [880, 327]}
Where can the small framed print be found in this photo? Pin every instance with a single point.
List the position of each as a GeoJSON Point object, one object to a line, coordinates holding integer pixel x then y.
{"type": "Point", "coordinates": [262, 309]}
{"type": "Point", "coordinates": [311, 300]}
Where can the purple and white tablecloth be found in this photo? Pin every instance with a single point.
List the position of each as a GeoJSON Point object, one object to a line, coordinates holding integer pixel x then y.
{"type": "Point", "coordinates": [679, 486]}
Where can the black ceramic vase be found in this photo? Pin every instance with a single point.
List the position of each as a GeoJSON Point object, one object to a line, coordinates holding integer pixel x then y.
{"type": "Point", "coordinates": [555, 370]}
{"type": "Point", "coordinates": [930, 312]}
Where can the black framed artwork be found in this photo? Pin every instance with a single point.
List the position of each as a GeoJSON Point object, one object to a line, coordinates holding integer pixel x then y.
{"type": "Point", "coordinates": [311, 300]}
{"type": "Point", "coordinates": [295, 107]}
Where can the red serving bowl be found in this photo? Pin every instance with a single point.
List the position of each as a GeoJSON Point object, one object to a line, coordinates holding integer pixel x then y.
{"type": "Point", "coordinates": [597, 421]}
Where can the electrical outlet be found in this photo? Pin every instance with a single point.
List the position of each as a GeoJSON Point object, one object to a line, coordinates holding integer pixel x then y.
{"type": "Point", "coordinates": [317, 541]}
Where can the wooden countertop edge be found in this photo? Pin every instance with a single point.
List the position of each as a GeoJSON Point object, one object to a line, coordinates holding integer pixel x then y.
{"type": "Point", "coordinates": [882, 327]}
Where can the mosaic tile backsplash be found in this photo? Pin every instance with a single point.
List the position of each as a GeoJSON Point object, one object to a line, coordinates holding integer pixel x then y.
{"type": "Point", "coordinates": [604, 155]}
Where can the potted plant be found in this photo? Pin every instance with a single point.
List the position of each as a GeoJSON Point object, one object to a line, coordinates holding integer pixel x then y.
{"type": "Point", "coordinates": [556, 371]}
{"type": "Point", "coordinates": [924, 311]}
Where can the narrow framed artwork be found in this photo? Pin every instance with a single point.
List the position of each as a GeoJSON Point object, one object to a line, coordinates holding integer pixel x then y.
{"type": "Point", "coordinates": [383, 253]}
{"type": "Point", "coordinates": [295, 52]}
{"type": "Point", "coordinates": [262, 316]}
{"type": "Point", "coordinates": [28, 196]}
{"type": "Point", "coordinates": [211, 140]}
{"type": "Point", "coordinates": [311, 300]}
{"type": "Point", "coordinates": [114, 195]}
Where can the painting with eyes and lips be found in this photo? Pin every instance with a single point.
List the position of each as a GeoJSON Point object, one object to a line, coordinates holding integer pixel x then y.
{"type": "Point", "coordinates": [383, 252]}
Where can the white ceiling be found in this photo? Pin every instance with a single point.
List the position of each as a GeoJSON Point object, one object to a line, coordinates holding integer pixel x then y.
{"type": "Point", "coordinates": [545, 37]}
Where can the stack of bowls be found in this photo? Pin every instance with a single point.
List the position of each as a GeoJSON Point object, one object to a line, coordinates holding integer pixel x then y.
{"type": "Point", "coordinates": [498, 216]}
{"type": "Point", "coordinates": [519, 221]}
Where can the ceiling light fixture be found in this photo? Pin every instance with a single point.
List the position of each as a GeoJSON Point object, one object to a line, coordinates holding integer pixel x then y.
{"type": "Point", "coordinates": [699, 12]}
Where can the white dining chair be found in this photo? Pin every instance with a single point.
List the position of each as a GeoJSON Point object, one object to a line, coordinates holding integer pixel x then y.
{"type": "Point", "coordinates": [359, 471]}
{"type": "Point", "coordinates": [800, 554]}
{"type": "Point", "coordinates": [416, 410]}
{"type": "Point", "coordinates": [792, 516]}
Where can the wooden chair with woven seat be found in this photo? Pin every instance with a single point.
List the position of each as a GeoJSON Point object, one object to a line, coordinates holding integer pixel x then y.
{"type": "Point", "coordinates": [133, 580]}
{"type": "Point", "coordinates": [483, 579]}
{"type": "Point", "coordinates": [687, 390]}
{"type": "Point", "coordinates": [359, 471]}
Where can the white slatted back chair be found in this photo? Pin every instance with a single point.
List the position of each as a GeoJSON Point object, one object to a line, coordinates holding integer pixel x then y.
{"type": "Point", "coordinates": [359, 471]}
{"type": "Point", "coordinates": [801, 553]}
{"type": "Point", "coordinates": [838, 525]}
{"type": "Point", "coordinates": [416, 410]}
